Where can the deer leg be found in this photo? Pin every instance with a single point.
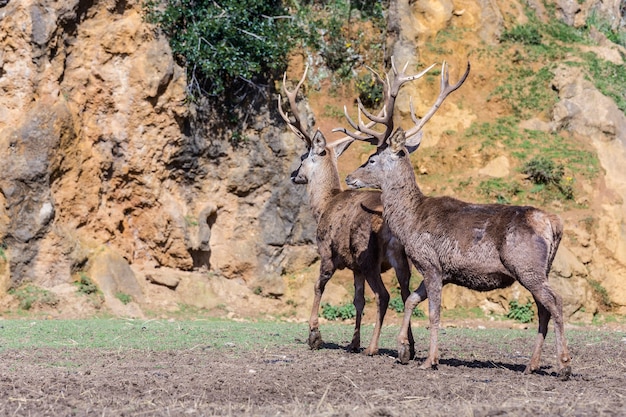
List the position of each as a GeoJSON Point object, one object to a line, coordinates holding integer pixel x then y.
{"type": "Point", "coordinates": [434, 309]}
{"type": "Point", "coordinates": [315, 337]}
{"type": "Point", "coordinates": [544, 317]}
{"type": "Point", "coordinates": [404, 351]}
{"type": "Point", "coordinates": [381, 294]}
{"type": "Point", "coordinates": [549, 305]}
{"type": "Point", "coordinates": [359, 305]}
{"type": "Point", "coordinates": [403, 275]}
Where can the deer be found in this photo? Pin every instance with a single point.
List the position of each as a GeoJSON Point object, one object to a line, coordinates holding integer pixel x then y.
{"type": "Point", "coordinates": [478, 246]}
{"type": "Point", "coordinates": [351, 232]}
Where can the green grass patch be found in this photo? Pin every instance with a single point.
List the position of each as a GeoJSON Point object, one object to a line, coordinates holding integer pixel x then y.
{"type": "Point", "coordinates": [148, 334]}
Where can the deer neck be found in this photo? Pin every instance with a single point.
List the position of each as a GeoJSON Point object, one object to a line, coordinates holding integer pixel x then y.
{"type": "Point", "coordinates": [401, 198]}
{"type": "Point", "coordinates": [322, 188]}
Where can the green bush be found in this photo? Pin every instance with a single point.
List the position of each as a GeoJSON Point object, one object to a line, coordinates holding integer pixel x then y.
{"type": "Point", "coordinates": [396, 304]}
{"type": "Point", "coordinates": [224, 42]}
{"type": "Point", "coordinates": [543, 171]}
{"type": "Point", "coordinates": [123, 297]}
{"type": "Point", "coordinates": [343, 312]}
{"type": "Point", "coordinates": [370, 91]}
{"type": "Point", "coordinates": [85, 285]}
{"type": "Point", "coordinates": [521, 312]}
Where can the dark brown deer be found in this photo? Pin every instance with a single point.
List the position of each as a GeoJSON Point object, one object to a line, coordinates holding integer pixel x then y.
{"type": "Point", "coordinates": [351, 232]}
{"type": "Point", "coordinates": [478, 246]}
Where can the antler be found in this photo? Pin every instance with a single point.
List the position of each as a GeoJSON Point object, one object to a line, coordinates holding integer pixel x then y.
{"type": "Point", "coordinates": [391, 88]}
{"type": "Point", "coordinates": [297, 127]}
{"type": "Point", "coordinates": [445, 90]}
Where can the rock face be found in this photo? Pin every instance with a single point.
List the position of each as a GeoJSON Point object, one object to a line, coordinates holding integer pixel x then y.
{"type": "Point", "coordinates": [96, 153]}
{"type": "Point", "coordinates": [107, 172]}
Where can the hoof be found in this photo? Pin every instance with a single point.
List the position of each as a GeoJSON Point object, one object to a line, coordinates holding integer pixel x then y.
{"type": "Point", "coordinates": [370, 352]}
{"type": "Point", "coordinates": [565, 373]}
{"type": "Point", "coordinates": [404, 354]}
{"type": "Point", "coordinates": [353, 348]}
{"type": "Point", "coordinates": [426, 366]}
{"type": "Point", "coordinates": [315, 339]}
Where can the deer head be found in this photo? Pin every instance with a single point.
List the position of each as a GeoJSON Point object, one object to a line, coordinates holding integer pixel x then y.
{"type": "Point", "coordinates": [391, 147]}
{"type": "Point", "coordinates": [320, 157]}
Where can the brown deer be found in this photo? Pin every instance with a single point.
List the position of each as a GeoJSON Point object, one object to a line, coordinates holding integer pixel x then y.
{"type": "Point", "coordinates": [478, 246]}
{"type": "Point", "coordinates": [351, 232]}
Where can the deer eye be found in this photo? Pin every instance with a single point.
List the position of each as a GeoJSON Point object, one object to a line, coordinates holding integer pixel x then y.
{"type": "Point", "coordinates": [372, 161]}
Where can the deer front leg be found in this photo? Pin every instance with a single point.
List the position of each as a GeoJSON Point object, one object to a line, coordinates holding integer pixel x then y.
{"type": "Point", "coordinates": [403, 274]}
{"type": "Point", "coordinates": [359, 305]}
{"type": "Point", "coordinates": [381, 294]}
{"type": "Point", "coordinates": [315, 337]}
{"type": "Point", "coordinates": [434, 287]}
{"type": "Point", "coordinates": [404, 347]}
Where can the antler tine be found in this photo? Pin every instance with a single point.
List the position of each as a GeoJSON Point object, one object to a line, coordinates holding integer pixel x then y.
{"type": "Point", "coordinates": [362, 131]}
{"type": "Point", "coordinates": [298, 128]}
{"type": "Point", "coordinates": [445, 90]}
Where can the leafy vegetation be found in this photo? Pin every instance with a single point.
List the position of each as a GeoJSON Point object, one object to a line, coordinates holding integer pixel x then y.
{"type": "Point", "coordinates": [521, 312]}
{"type": "Point", "coordinates": [343, 312]}
{"type": "Point", "coordinates": [29, 295]}
{"type": "Point", "coordinates": [370, 91]}
{"type": "Point", "coordinates": [123, 297]}
{"type": "Point", "coordinates": [396, 304]}
{"type": "Point", "coordinates": [225, 42]}
{"type": "Point", "coordinates": [601, 294]}
{"type": "Point", "coordinates": [85, 285]}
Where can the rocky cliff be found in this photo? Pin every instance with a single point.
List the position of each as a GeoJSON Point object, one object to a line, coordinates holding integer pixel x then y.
{"type": "Point", "coordinates": [108, 174]}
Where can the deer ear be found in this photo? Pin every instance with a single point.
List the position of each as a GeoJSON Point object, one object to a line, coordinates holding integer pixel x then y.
{"type": "Point", "coordinates": [341, 145]}
{"type": "Point", "coordinates": [397, 141]}
{"type": "Point", "coordinates": [318, 144]}
{"type": "Point", "coordinates": [413, 142]}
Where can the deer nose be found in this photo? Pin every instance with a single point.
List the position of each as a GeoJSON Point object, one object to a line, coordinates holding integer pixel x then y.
{"type": "Point", "coordinates": [353, 182]}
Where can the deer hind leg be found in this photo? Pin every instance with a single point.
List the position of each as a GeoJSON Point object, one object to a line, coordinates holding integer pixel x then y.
{"type": "Point", "coordinates": [315, 336]}
{"type": "Point", "coordinates": [404, 347]}
{"type": "Point", "coordinates": [381, 294]}
{"type": "Point", "coordinates": [359, 305]}
{"type": "Point", "coordinates": [549, 304]}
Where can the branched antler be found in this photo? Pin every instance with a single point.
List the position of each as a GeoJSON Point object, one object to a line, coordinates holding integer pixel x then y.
{"type": "Point", "coordinates": [445, 89]}
{"type": "Point", "coordinates": [297, 127]}
{"type": "Point", "coordinates": [391, 87]}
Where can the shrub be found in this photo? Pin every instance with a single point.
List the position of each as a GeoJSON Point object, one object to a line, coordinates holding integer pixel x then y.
{"type": "Point", "coordinates": [541, 170]}
{"type": "Point", "coordinates": [222, 42]}
{"type": "Point", "coordinates": [521, 312]}
{"type": "Point", "coordinates": [396, 304]}
{"type": "Point", "coordinates": [85, 285]}
{"type": "Point", "coordinates": [370, 91]}
{"type": "Point", "coordinates": [343, 312]}
{"type": "Point", "coordinates": [123, 297]}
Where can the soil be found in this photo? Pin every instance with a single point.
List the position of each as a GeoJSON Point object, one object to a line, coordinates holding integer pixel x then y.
{"type": "Point", "coordinates": [475, 378]}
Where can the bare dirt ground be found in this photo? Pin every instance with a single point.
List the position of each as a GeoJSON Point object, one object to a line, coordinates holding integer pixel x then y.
{"type": "Point", "coordinates": [478, 376]}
